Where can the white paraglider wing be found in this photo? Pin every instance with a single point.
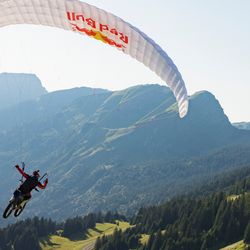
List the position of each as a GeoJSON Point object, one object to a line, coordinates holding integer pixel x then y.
{"type": "Point", "coordinates": [101, 25]}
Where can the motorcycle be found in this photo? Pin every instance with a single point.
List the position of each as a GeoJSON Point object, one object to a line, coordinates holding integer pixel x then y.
{"type": "Point", "coordinates": [17, 204]}
{"type": "Point", "coordinates": [18, 201]}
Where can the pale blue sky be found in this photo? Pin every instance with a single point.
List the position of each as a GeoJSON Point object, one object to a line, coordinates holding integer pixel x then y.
{"type": "Point", "coordinates": [208, 41]}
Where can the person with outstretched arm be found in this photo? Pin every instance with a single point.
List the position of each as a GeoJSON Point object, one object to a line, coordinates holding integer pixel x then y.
{"type": "Point", "coordinates": [31, 182]}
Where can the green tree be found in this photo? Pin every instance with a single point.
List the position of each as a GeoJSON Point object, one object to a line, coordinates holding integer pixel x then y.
{"type": "Point", "coordinates": [247, 234]}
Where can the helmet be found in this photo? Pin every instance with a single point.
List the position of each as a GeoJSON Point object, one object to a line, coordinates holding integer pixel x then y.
{"type": "Point", "coordinates": [36, 173]}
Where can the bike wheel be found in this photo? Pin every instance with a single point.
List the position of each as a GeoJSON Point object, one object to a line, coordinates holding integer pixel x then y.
{"type": "Point", "coordinates": [7, 212]}
{"type": "Point", "coordinates": [19, 211]}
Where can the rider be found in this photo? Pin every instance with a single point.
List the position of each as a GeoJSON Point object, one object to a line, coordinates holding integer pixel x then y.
{"type": "Point", "coordinates": [29, 184]}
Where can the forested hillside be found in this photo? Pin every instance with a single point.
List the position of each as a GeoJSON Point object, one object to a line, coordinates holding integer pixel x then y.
{"type": "Point", "coordinates": [202, 219]}
{"type": "Point", "coordinates": [198, 221]}
{"type": "Point", "coordinates": [29, 234]}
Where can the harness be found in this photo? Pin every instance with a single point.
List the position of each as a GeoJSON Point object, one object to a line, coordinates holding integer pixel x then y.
{"type": "Point", "coordinates": [30, 183]}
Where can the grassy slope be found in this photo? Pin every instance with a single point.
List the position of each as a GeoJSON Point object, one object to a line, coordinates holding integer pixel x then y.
{"type": "Point", "coordinates": [236, 246]}
{"type": "Point", "coordinates": [61, 243]}
{"type": "Point", "coordinates": [144, 239]}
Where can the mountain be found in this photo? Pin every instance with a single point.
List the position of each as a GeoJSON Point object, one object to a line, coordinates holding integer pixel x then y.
{"type": "Point", "coordinates": [42, 108]}
{"type": "Point", "coordinates": [18, 88]}
{"type": "Point", "coordinates": [117, 150]}
{"type": "Point", "coordinates": [242, 125]}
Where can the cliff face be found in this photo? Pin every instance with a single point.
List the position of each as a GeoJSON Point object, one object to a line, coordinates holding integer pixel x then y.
{"type": "Point", "coordinates": [18, 88]}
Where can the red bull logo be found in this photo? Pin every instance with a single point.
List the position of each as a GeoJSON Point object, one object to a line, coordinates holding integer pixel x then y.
{"type": "Point", "coordinates": [96, 30]}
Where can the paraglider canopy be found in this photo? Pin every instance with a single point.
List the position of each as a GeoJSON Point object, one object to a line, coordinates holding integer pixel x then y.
{"type": "Point", "coordinates": [96, 23]}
